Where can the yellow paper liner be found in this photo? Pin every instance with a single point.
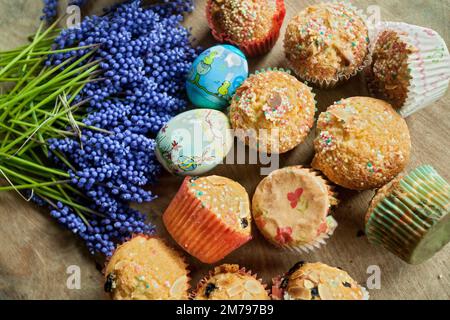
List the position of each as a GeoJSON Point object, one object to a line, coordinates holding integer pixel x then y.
{"type": "Point", "coordinates": [198, 230]}
{"type": "Point", "coordinates": [252, 48]}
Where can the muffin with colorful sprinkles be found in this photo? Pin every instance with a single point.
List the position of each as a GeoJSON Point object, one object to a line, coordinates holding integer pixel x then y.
{"type": "Point", "coordinates": [252, 25]}
{"type": "Point", "coordinates": [405, 60]}
{"type": "Point", "coordinates": [230, 282]}
{"type": "Point", "coordinates": [273, 111]}
{"type": "Point", "coordinates": [327, 43]}
{"type": "Point", "coordinates": [411, 215]}
{"type": "Point", "coordinates": [361, 143]}
{"type": "Point", "coordinates": [209, 217]}
{"type": "Point", "coordinates": [145, 268]}
{"type": "Point", "coordinates": [317, 281]}
{"type": "Point", "coordinates": [291, 208]}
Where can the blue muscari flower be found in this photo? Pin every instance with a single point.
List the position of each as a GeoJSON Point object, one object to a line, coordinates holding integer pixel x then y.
{"type": "Point", "coordinates": [145, 56]}
{"type": "Point", "coordinates": [50, 10]}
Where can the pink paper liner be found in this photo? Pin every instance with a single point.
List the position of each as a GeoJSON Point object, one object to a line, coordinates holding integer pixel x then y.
{"type": "Point", "coordinates": [252, 48]}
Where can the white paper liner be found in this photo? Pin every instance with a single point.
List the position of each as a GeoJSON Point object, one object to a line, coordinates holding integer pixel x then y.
{"type": "Point", "coordinates": [340, 78]}
{"type": "Point", "coordinates": [430, 65]}
{"type": "Point", "coordinates": [317, 243]}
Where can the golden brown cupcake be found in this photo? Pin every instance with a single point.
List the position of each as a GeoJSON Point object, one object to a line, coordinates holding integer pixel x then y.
{"type": "Point", "coordinates": [145, 268]}
{"type": "Point", "coordinates": [274, 110]}
{"type": "Point", "coordinates": [391, 75]}
{"type": "Point", "coordinates": [209, 217]}
{"type": "Point", "coordinates": [230, 282]}
{"type": "Point", "coordinates": [327, 43]}
{"type": "Point", "coordinates": [252, 25]}
{"type": "Point", "coordinates": [291, 208]}
{"type": "Point", "coordinates": [317, 281]}
{"type": "Point", "coordinates": [361, 143]}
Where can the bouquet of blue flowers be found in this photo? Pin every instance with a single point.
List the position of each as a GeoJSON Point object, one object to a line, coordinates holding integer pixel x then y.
{"type": "Point", "coordinates": [80, 112]}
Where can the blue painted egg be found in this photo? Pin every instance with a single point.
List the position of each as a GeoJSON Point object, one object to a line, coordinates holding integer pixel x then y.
{"type": "Point", "coordinates": [194, 142]}
{"type": "Point", "coordinates": [215, 75]}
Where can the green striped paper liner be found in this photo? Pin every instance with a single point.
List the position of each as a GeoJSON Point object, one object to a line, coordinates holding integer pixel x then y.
{"type": "Point", "coordinates": [413, 221]}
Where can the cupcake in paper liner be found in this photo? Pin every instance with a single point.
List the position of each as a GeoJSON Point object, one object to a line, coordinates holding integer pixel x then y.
{"type": "Point", "coordinates": [410, 67]}
{"type": "Point", "coordinates": [145, 268]}
{"type": "Point", "coordinates": [273, 111]}
{"type": "Point", "coordinates": [410, 216]}
{"type": "Point", "coordinates": [230, 282]}
{"type": "Point", "coordinates": [291, 209]}
{"type": "Point", "coordinates": [251, 25]}
{"type": "Point", "coordinates": [209, 217]}
{"type": "Point", "coordinates": [327, 43]}
{"type": "Point", "coordinates": [316, 281]}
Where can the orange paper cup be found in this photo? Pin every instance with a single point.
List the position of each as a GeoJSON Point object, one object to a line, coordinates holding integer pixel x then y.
{"type": "Point", "coordinates": [198, 230]}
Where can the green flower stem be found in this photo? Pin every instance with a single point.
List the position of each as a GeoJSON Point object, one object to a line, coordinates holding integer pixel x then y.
{"type": "Point", "coordinates": [68, 202]}
{"type": "Point", "coordinates": [39, 134]}
{"type": "Point", "coordinates": [29, 47]}
{"type": "Point", "coordinates": [34, 185]}
{"type": "Point", "coordinates": [26, 77]}
{"type": "Point", "coordinates": [58, 92]}
{"type": "Point", "coordinates": [50, 52]}
{"type": "Point", "coordinates": [19, 179]}
{"type": "Point", "coordinates": [34, 165]}
{"type": "Point", "coordinates": [32, 90]}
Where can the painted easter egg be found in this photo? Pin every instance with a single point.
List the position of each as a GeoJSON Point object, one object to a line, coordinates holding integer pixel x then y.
{"type": "Point", "coordinates": [194, 142]}
{"type": "Point", "coordinates": [215, 75]}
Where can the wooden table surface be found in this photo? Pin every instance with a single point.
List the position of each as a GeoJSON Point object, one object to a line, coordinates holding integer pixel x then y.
{"type": "Point", "coordinates": [35, 251]}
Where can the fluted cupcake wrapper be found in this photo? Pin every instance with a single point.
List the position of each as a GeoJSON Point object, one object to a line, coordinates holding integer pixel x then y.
{"type": "Point", "coordinates": [413, 221]}
{"type": "Point", "coordinates": [198, 230]}
{"type": "Point", "coordinates": [252, 48]}
{"type": "Point", "coordinates": [318, 242]}
{"type": "Point", "coordinates": [429, 66]}
{"type": "Point", "coordinates": [211, 273]}
{"type": "Point", "coordinates": [339, 78]}
{"type": "Point", "coordinates": [332, 224]}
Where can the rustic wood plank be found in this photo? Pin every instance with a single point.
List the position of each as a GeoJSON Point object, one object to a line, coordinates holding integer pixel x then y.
{"type": "Point", "coordinates": [35, 252]}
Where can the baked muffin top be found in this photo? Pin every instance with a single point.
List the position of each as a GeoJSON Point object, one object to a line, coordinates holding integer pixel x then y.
{"type": "Point", "coordinates": [326, 41]}
{"type": "Point", "coordinates": [390, 71]}
{"type": "Point", "coordinates": [270, 100]}
{"type": "Point", "coordinates": [230, 282]}
{"type": "Point", "coordinates": [361, 143]}
{"type": "Point", "coordinates": [225, 198]}
{"type": "Point", "coordinates": [243, 20]}
{"type": "Point", "coordinates": [318, 281]}
{"type": "Point", "coordinates": [145, 268]}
